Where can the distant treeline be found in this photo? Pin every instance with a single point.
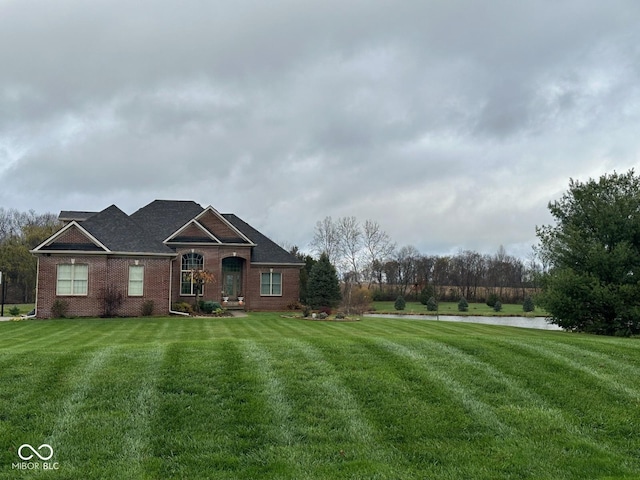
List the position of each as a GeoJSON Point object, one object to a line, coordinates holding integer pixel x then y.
{"type": "Point", "coordinates": [19, 233]}
{"type": "Point", "coordinates": [365, 255]}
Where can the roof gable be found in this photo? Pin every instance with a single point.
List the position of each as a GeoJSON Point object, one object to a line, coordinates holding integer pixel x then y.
{"type": "Point", "coordinates": [192, 232]}
{"type": "Point", "coordinates": [221, 228]}
{"type": "Point", "coordinates": [71, 237]}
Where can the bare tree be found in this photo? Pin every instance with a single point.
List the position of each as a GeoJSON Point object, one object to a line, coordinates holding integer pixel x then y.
{"type": "Point", "coordinates": [350, 248]}
{"type": "Point", "coordinates": [406, 259]}
{"type": "Point", "coordinates": [377, 248]}
{"type": "Point", "coordinates": [326, 240]}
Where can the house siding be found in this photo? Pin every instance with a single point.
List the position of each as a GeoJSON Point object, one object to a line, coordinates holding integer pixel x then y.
{"type": "Point", "coordinates": [104, 271]}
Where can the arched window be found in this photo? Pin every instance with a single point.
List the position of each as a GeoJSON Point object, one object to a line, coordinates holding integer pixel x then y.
{"type": "Point", "coordinates": [190, 263]}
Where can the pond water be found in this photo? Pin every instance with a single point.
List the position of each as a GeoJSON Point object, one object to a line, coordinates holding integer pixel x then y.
{"type": "Point", "coordinates": [524, 322]}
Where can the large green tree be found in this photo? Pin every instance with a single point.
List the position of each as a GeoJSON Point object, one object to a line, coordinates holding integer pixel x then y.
{"type": "Point", "coordinates": [323, 287]}
{"type": "Point", "coordinates": [593, 250]}
{"type": "Point", "coordinates": [19, 233]}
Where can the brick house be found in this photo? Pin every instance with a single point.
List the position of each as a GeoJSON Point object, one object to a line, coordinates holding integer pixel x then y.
{"type": "Point", "coordinates": [152, 254]}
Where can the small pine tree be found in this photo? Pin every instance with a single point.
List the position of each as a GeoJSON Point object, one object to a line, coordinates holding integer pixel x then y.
{"type": "Point", "coordinates": [498, 306]}
{"type": "Point", "coordinates": [323, 287]}
{"type": "Point", "coordinates": [528, 305]}
{"type": "Point", "coordinates": [432, 305]}
{"type": "Point", "coordinates": [425, 294]}
{"type": "Point", "coordinates": [400, 303]}
{"type": "Point", "coordinates": [492, 299]}
{"type": "Point", "coordinates": [463, 305]}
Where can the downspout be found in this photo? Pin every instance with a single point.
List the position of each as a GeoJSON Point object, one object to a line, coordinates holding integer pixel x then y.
{"type": "Point", "coordinates": [35, 305]}
{"type": "Point", "coordinates": [184, 314]}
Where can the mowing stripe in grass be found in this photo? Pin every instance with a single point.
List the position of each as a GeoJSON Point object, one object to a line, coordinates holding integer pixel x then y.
{"type": "Point", "coordinates": [280, 408]}
{"type": "Point", "coordinates": [67, 413]}
{"type": "Point", "coordinates": [41, 340]}
{"type": "Point", "coordinates": [599, 361]}
{"type": "Point", "coordinates": [608, 381]}
{"type": "Point", "coordinates": [136, 445]}
{"type": "Point", "coordinates": [479, 410]}
{"type": "Point", "coordinates": [527, 404]}
{"type": "Point", "coordinates": [212, 415]}
{"type": "Point", "coordinates": [360, 444]}
{"type": "Point", "coordinates": [547, 416]}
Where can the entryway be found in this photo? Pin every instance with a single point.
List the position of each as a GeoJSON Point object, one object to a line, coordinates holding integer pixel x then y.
{"type": "Point", "coordinates": [232, 277]}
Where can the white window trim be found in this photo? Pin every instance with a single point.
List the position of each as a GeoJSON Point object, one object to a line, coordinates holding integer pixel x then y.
{"type": "Point", "coordinates": [193, 293]}
{"type": "Point", "coordinates": [73, 266]}
{"type": "Point", "coordinates": [141, 282]}
{"type": "Point", "coordinates": [271, 294]}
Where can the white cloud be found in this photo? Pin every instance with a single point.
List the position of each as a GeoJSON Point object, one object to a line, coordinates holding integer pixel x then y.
{"type": "Point", "coordinates": [450, 123]}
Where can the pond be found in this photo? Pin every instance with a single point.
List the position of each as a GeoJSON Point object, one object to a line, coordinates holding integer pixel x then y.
{"type": "Point", "coordinates": [524, 322]}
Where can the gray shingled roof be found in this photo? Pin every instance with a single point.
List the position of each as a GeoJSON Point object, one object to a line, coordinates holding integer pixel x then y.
{"type": "Point", "coordinates": [266, 251]}
{"type": "Point", "coordinates": [69, 215]}
{"type": "Point", "coordinates": [119, 233]}
{"type": "Point", "coordinates": [145, 230]}
{"type": "Point", "coordinates": [161, 218]}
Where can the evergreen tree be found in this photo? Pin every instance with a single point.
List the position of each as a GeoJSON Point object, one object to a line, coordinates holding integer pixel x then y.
{"type": "Point", "coordinates": [594, 255]}
{"type": "Point", "coordinates": [323, 287]}
{"type": "Point", "coordinates": [432, 305]}
{"type": "Point", "coordinates": [528, 305]}
{"type": "Point", "coordinates": [463, 305]}
{"type": "Point", "coordinates": [400, 304]}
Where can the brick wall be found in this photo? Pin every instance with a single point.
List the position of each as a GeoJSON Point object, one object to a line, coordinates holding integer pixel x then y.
{"type": "Point", "coordinates": [107, 270]}
{"type": "Point", "coordinates": [104, 271]}
{"type": "Point", "coordinates": [72, 235]}
{"type": "Point", "coordinates": [213, 257]}
{"type": "Point", "coordinates": [290, 288]}
{"type": "Point", "coordinates": [217, 226]}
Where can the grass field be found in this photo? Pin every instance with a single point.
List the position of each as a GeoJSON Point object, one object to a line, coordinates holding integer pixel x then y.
{"type": "Point", "coordinates": [272, 397]}
{"type": "Point", "coordinates": [451, 308]}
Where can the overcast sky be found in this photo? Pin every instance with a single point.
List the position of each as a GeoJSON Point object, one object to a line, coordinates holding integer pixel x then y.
{"type": "Point", "coordinates": [451, 123]}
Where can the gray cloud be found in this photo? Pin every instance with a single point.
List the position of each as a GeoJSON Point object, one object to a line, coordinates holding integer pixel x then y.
{"type": "Point", "coordinates": [451, 123]}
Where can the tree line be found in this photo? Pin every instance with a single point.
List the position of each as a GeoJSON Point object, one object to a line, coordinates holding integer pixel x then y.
{"type": "Point", "coordinates": [365, 256]}
{"type": "Point", "coordinates": [19, 233]}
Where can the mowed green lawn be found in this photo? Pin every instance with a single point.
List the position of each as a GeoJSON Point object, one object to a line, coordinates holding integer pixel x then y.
{"type": "Point", "coordinates": [272, 397]}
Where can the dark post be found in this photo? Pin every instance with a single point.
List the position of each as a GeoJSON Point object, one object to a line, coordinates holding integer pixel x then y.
{"type": "Point", "coordinates": [2, 294]}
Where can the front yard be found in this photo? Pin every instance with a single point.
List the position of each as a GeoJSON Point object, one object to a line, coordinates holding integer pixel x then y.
{"type": "Point", "coordinates": [271, 397]}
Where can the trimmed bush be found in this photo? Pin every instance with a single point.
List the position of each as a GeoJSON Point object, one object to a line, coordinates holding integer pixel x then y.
{"type": "Point", "coordinates": [147, 308]}
{"type": "Point", "coordinates": [59, 308]}
{"type": "Point", "coordinates": [183, 307]}
{"type": "Point", "coordinates": [492, 299]}
{"type": "Point", "coordinates": [400, 304]}
{"type": "Point", "coordinates": [432, 305]}
{"type": "Point", "coordinates": [463, 305]}
{"type": "Point", "coordinates": [209, 307]}
{"type": "Point", "coordinates": [528, 305]}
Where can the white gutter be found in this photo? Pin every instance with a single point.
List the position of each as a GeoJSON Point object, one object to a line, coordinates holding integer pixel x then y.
{"type": "Point", "coordinates": [170, 292]}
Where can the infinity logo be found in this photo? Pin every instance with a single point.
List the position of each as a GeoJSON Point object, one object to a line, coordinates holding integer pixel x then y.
{"type": "Point", "coordinates": [35, 452]}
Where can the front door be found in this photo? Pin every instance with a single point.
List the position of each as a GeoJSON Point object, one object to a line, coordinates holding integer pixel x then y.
{"type": "Point", "coordinates": [232, 277]}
